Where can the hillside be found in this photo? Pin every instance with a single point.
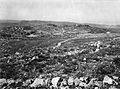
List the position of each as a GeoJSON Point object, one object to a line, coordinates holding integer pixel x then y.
{"type": "Point", "coordinates": [36, 50]}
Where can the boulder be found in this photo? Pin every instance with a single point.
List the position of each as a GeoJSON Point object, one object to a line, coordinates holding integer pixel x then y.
{"type": "Point", "coordinates": [76, 81]}
{"type": "Point", "coordinates": [115, 77]}
{"type": "Point", "coordinates": [70, 81]}
{"type": "Point", "coordinates": [47, 81]}
{"type": "Point", "coordinates": [98, 83]}
{"type": "Point", "coordinates": [55, 81]}
{"type": "Point", "coordinates": [81, 78]}
{"type": "Point", "coordinates": [37, 82]}
{"type": "Point", "coordinates": [107, 80]}
{"type": "Point", "coordinates": [64, 82]}
{"type": "Point", "coordinates": [10, 81]}
{"type": "Point", "coordinates": [92, 81]}
{"type": "Point", "coordinates": [82, 84]}
{"type": "Point", "coordinates": [27, 82]}
{"type": "Point", "coordinates": [112, 87]}
{"type": "Point", "coordinates": [2, 81]}
{"type": "Point", "coordinates": [96, 88]}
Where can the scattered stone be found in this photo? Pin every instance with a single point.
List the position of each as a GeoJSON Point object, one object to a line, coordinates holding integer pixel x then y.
{"type": "Point", "coordinates": [82, 84]}
{"type": "Point", "coordinates": [47, 81]}
{"type": "Point", "coordinates": [17, 53]}
{"type": "Point", "coordinates": [64, 82]}
{"type": "Point", "coordinates": [81, 78]}
{"type": "Point", "coordinates": [33, 58]}
{"type": "Point", "coordinates": [2, 81]}
{"type": "Point", "coordinates": [96, 88]}
{"type": "Point", "coordinates": [115, 77]}
{"type": "Point", "coordinates": [69, 53]}
{"type": "Point", "coordinates": [37, 82]}
{"type": "Point", "coordinates": [55, 81]}
{"type": "Point", "coordinates": [10, 81]}
{"type": "Point", "coordinates": [67, 87]}
{"type": "Point", "coordinates": [107, 80]}
{"type": "Point", "coordinates": [112, 87]}
{"type": "Point", "coordinates": [76, 81]}
{"type": "Point", "coordinates": [27, 82]}
{"type": "Point", "coordinates": [97, 50]}
{"type": "Point", "coordinates": [78, 88]}
{"type": "Point", "coordinates": [116, 83]}
{"type": "Point", "coordinates": [70, 81]}
{"type": "Point", "coordinates": [91, 82]}
{"type": "Point", "coordinates": [84, 59]}
{"type": "Point", "coordinates": [62, 87]}
{"type": "Point", "coordinates": [98, 83]}
{"type": "Point", "coordinates": [74, 60]}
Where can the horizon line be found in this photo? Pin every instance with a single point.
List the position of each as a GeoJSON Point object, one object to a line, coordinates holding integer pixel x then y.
{"type": "Point", "coordinates": [58, 21]}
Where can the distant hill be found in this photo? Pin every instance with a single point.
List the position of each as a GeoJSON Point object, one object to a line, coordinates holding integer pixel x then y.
{"type": "Point", "coordinates": [92, 27]}
{"type": "Point", "coordinates": [33, 22]}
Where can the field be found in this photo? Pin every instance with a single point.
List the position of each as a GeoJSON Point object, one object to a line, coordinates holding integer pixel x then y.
{"type": "Point", "coordinates": [75, 56]}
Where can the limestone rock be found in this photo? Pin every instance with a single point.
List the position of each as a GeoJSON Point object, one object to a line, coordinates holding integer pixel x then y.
{"type": "Point", "coordinates": [10, 81]}
{"type": "Point", "coordinates": [64, 82]}
{"type": "Point", "coordinates": [37, 82]}
{"type": "Point", "coordinates": [83, 84]}
{"type": "Point", "coordinates": [2, 81]}
{"type": "Point", "coordinates": [107, 80]}
{"type": "Point", "coordinates": [70, 81]}
{"type": "Point", "coordinates": [96, 88]}
{"type": "Point", "coordinates": [76, 81]}
{"type": "Point", "coordinates": [55, 81]}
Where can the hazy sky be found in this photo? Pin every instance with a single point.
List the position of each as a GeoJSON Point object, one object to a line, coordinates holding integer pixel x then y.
{"type": "Point", "coordinates": [83, 11]}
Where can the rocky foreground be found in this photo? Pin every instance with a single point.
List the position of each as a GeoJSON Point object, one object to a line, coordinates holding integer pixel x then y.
{"type": "Point", "coordinates": [46, 55]}
{"type": "Point", "coordinates": [95, 66]}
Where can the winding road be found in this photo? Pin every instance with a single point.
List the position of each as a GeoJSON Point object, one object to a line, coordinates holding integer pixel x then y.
{"type": "Point", "coordinates": [88, 35]}
{"type": "Point", "coordinates": [60, 43]}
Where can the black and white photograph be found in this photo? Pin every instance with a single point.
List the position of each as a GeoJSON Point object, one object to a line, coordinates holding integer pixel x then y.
{"type": "Point", "coordinates": [59, 44]}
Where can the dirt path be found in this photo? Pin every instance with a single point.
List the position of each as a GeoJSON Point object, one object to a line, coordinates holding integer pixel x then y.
{"type": "Point", "coordinates": [60, 43]}
{"type": "Point", "coordinates": [88, 35]}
